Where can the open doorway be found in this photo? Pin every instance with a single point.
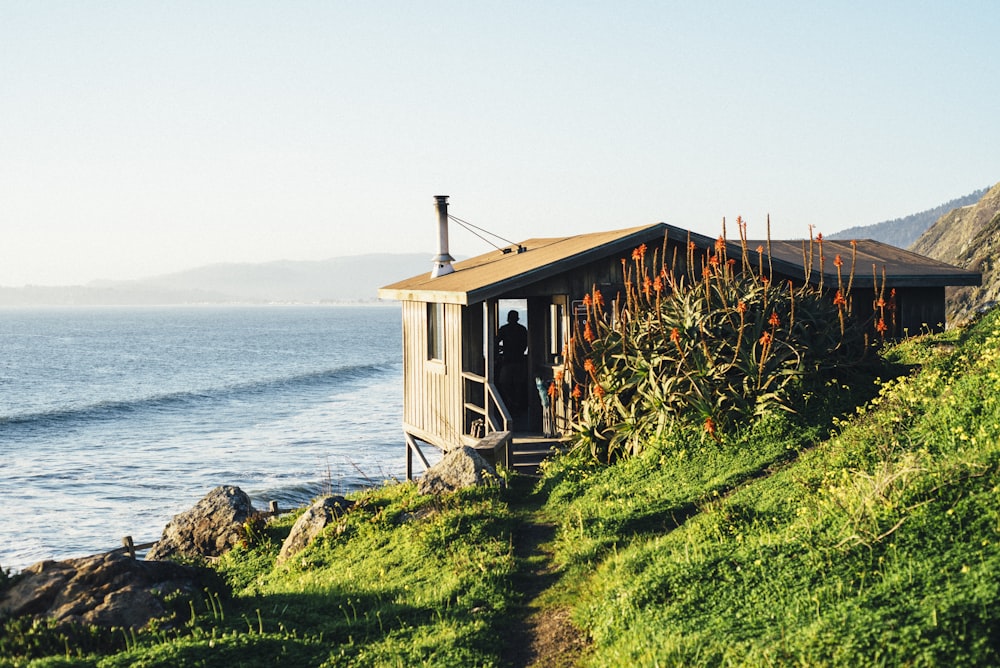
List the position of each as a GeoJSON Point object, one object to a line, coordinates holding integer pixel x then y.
{"type": "Point", "coordinates": [513, 361]}
{"type": "Point", "coordinates": [505, 306]}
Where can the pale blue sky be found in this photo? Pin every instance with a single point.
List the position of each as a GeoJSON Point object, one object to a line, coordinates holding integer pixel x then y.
{"type": "Point", "coordinates": [138, 138]}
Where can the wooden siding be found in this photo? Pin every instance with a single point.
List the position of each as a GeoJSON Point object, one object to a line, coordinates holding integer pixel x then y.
{"type": "Point", "coordinates": [432, 389]}
{"type": "Point", "coordinates": [912, 311]}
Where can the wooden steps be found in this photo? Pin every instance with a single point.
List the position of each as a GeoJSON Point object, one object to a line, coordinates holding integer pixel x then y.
{"type": "Point", "coordinates": [528, 451]}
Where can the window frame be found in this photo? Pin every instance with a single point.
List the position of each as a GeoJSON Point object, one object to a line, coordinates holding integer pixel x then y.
{"type": "Point", "coordinates": [435, 332]}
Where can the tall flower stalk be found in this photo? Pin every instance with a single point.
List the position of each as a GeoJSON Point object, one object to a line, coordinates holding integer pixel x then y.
{"type": "Point", "coordinates": [716, 345]}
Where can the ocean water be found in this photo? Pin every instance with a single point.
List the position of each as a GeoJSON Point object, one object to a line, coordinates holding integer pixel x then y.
{"type": "Point", "coordinates": [112, 420]}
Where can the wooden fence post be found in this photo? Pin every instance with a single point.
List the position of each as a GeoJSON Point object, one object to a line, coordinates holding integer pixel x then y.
{"type": "Point", "coordinates": [129, 546]}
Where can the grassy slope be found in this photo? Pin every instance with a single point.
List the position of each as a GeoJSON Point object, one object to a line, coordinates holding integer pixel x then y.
{"type": "Point", "coordinates": [400, 580]}
{"type": "Point", "coordinates": [877, 545]}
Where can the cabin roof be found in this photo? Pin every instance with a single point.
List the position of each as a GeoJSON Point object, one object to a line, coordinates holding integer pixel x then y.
{"type": "Point", "coordinates": [502, 271]}
{"type": "Point", "coordinates": [497, 272]}
{"type": "Point", "coordinates": [902, 268]}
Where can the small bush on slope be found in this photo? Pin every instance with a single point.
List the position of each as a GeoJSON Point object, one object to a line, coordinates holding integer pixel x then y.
{"type": "Point", "coordinates": [878, 547]}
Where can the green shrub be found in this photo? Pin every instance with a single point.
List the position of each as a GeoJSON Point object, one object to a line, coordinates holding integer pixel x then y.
{"type": "Point", "coordinates": [716, 344]}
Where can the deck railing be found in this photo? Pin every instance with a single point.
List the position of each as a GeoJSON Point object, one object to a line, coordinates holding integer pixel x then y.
{"type": "Point", "coordinates": [493, 410]}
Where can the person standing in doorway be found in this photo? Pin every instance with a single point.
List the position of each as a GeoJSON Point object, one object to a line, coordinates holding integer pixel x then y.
{"type": "Point", "coordinates": [512, 342]}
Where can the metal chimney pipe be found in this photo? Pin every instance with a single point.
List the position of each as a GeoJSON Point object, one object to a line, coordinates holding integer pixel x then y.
{"type": "Point", "coordinates": [442, 263]}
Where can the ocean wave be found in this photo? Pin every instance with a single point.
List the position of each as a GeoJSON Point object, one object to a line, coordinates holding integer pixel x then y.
{"type": "Point", "coordinates": [194, 398]}
{"type": "Point", "coordinates": [298, 495]}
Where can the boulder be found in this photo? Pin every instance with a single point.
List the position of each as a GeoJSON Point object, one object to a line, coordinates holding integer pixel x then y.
{"type": "Point", "coordinates": [458, 469]}
{"type": "Point", "coordinates": [309, 525]}
{"type": "Point", "coordinates": [212, 527]}
{"type": "Point", "coordinates": [109, 590]}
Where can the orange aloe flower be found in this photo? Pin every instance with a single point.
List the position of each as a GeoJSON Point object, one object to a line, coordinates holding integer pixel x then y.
{"type": "Point", "coordinates": [577, 392]}
{"type": "Point", "coordinates": [760, 250]}
{"type": "Point", "coordinates": [639, 252]}
{"type": "Point", "coordinates": [774, 320]}
{"type": "Point", "coordinates": [881, 327]}
{"type": "Point", "coordinates": [765, 338]}
{"type": "Point", "coordinates": [598, 299]}
{"type": "Point", "coordinates": [598, 391]}
{"type": "Point", "coordinates": [658, 284]}
{"type": "Point", "coordinates": [714, 260]}
{"type": "Point", "coordinates": [588, 366]}
{"type": "Point", "coordinates": [675, 335]}
{"type": "Point", "coordinates": [558, 377]}
{"type": "Point", "coordinates": [588, 333]}
{"type": "Point", "coordinates": [838, 299]}
{"type": "Point", "coordinates": [741, 307]}
{"type": "Point", "coordinates": [553, 391]}
{"type": "Point", "coordinates": [586, 300]}
{"type": "Point", "coordinates": [720, 244]}
{"type": "Point", "coordinates": [710, 426]}
{"type": "Point", "coordinates": [837, 261]}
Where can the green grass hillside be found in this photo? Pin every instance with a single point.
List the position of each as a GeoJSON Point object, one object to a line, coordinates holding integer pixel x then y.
{"type": "Point", "coordinates": [831, 536]}
{"type": "Point", "coordinates": [878, 544]}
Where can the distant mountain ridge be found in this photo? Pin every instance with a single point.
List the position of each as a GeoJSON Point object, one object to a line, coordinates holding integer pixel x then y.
{"type": "Point", "coordinates": [903, 232]}
{"type": "Point", "coordinates": [963, 232]}
{"type": "Point", "coordinates": [352, 279]}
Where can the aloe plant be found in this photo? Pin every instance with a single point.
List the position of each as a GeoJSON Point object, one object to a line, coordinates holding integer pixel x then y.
{"type": "Point", "coordinates": [712, 341]}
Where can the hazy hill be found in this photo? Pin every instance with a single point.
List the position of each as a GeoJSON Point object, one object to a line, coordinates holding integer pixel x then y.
{"type": "Point", "coordinates": [357, 278]}
{"type": "Point", "coordinates": [902, 232]}
{"type": "Point", "coordinates": [968, 237]}
{"type": "Point", "coordinates": [343, 279]}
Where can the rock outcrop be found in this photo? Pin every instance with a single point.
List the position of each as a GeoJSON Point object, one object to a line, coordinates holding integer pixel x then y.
{"type": "Point", "coordinates": [108, 590]}
{"type": "Point", "coordinates": [458, 469]}
{"type": "Point", "coordinates": [968, 237]}
{"type": "Point", "coordinates": [212, 527]}
{"type": "Point", "coordinates": [309, 525]}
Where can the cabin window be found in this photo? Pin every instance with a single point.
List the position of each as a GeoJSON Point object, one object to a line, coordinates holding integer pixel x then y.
{"type": "Point", "coordinates": [435, 331]}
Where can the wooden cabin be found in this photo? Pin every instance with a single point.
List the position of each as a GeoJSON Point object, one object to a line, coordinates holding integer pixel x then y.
{"type": "Point", "coordinates": [451, 316]}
